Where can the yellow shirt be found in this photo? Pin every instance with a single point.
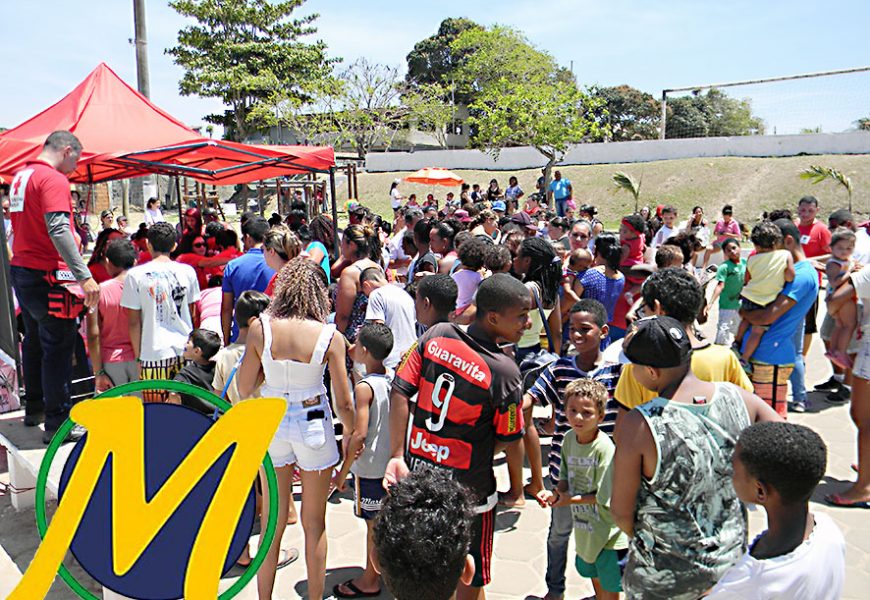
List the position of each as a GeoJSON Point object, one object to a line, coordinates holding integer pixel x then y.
{"type": "Point", "coordinates": [710, 363]}
{"type": "Point", "coordinates": [768, 276]}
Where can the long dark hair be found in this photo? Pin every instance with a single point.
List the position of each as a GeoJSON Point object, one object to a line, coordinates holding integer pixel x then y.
{"type": "Point", "coordinates": [101, 244]}
{"type": "Point", "coordinates": [607, 246]}
{"type": "Point", "coordinates": [545, 268]}
{"type": "Point", "coordinates": [321, 231]}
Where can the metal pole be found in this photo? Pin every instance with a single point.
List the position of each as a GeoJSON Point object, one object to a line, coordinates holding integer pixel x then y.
{"type": "Point", "coordinates": [334, 211]}
{"type": "Point", "coordinates": [178, 197]}
{"type": "Point", "coordinates": [664, 114]}
{"type": "Point", "coordinates": [141, 44]}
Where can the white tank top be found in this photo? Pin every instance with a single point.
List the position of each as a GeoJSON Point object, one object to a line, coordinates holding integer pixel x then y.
{"type": "Point", "coordinates": [292, 379]}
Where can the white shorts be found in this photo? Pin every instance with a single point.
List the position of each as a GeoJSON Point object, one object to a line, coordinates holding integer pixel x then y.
{"type": "Point", "coordinates": [726, 329]}
{"type": "Point", "coordinates": [861, 367]}
{"type": "Point", "coordinates": [305, 437]}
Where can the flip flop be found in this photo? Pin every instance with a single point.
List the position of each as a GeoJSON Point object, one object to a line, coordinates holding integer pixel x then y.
{"type": "Point", "coordinates": [357, 593]}
{"type": "Point", "coordinates": [290, 556]}
{"type": "Point", "coordinates": [838, 500]}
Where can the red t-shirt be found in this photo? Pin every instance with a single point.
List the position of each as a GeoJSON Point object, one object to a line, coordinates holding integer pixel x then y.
{"type": "Point", "coordinates": [115, 344]}
{"type": "Point", "coordinates": [815, 240]}
{"type": "Point", "coordinates": [99, 272]}
{"type": "Point", "coordinates": [193, 259]}
{"type": "Point", "coordinates": [270, 289]}
{"type": "Point", "coordinates": [38, 189]}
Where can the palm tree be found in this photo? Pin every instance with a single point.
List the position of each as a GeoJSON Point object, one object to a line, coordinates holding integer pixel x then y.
{"type": "Point", "coordinates": [624, 181]}
{"type": "Point", "coordinates": [818, 174]}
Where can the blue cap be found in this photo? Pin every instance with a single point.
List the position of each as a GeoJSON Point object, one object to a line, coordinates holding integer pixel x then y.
{"type": "Point", "coordinates": [499, 206]}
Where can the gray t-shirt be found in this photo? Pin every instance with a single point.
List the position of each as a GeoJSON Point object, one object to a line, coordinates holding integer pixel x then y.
{"type": "Point", "coordinates": [395, 307]}
{"type": "Point", "coordinates": [372, 463]}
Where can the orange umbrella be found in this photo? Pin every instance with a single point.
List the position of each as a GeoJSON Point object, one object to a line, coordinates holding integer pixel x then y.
{"type": "Point", "coordinates": [435, 176]}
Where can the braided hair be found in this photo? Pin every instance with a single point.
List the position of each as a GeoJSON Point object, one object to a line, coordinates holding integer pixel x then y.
{"type": "Point", "coordinates": [300, 292]}
{"type": "Point", "coordinates": [545, 268]}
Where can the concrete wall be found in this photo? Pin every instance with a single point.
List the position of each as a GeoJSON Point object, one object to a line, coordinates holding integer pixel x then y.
{"type": "Point", "coordinates": [511, 159]}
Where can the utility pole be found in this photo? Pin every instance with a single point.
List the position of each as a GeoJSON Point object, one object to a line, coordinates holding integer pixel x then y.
{"type": "Point", "coordinates": [141, 43]}
{"type": "Point", "coordinates": [142, 80]}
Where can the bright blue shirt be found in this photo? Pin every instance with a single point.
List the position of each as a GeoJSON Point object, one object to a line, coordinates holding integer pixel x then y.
{"type": "Point", "coordinates": [777, 344]}
{"type": "Point", "coordinates": [324, 264]}
{"type": "Point", "coordinates": [247, 272]}
{"type": "Point", "coordinates": [560, 188]}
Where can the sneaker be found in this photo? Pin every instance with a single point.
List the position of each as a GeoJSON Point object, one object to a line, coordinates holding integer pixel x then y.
{"type": "Point", "coordinates": [839, 396]}
{"type": "Point", "coordinates": [33, 420]}
{"type": "Point", "coordinates": [799, 406]}
{"type": "Point", "coordinates": [74, 435]}
{"type": "Point", "coordinates": [829, 386]}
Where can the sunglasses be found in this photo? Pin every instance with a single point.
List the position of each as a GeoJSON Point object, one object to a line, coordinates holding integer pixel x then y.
{"type": "Point", "coordinates": [199, 245]}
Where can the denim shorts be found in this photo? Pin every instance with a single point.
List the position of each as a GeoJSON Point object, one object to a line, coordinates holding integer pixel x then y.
{"type": "Point", "coordinates": [305, 437]}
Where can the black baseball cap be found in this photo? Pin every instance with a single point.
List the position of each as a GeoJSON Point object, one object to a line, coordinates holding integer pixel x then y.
{"type": "Point", "coordinates": [659, 342]}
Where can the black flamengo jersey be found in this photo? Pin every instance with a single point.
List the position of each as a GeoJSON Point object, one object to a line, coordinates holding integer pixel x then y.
{"type": "Point", "coordinates": [469, 397]}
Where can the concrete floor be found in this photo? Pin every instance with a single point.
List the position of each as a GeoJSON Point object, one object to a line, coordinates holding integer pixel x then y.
{"type": "Point", "coordinates": [520, 540]}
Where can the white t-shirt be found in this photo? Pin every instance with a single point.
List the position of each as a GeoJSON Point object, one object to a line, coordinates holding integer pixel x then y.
{"type": "Point", "coordinates": [396, 252]}
{"type": "Point", "coordinates": [861, 283]}
{"type": "Point", "coordinates": [153, 215]}
{"type": "Point", "coordinates": [862, 247]}
{"type": "Point", "coordinates": [395, 307]}
{"type": "Point", "coordinates": [162, 291]}
{"type": "Point", "coordinates": [662, 236]}
{"type": "Point", "coordinates": [815, 570]}
{"type": "Point", "coordinates": [395, 198]}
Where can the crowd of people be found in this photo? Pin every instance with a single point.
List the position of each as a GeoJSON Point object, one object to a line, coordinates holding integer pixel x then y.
{"type": "Point", "coordinates": [426, 343]}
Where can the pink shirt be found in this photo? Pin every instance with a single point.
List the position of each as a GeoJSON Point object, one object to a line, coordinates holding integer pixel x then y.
{"type": "Point", "coordinates": [210, 303]}
{"type": "Point", "coordinates": [115, 343]}
{"type": "Point", "coordinates": [724, 230]}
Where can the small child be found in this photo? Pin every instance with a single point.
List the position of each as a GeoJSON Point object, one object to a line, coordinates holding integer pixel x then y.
{"type": "Point", "coordinates": [586, 458]}
{"type": "Point", "coordinates": [631, 238]}
{"type": "Point", "coordinates": [371, 439]}
{"type": "Point", "coordinates": [802, 554]}
{"type": "Point", "coordinates": [730, 276]}
{"type": "Point", "coordinates": [467, 277]}
{"type": "Point", "coordinates": [669, 218]}
{"type": "Point", "coordinates": [248, 307]}
{"type": "Point", "coordinates": [845, 314]}
{"type": "Point", "coordinates": [767, 271]}
{"type": "Point", "coordinates": [201, 347]}
{"type": "Point", "coordinates": [498, 259]}
{"type": "Point", "coordinates": [579, 262]}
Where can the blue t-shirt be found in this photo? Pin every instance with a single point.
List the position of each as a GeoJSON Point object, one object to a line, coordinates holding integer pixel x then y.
{"type": "Point", "coordinates": [324, 264]}
{"type": "Point", "coordinates": [559, 187]}
{"type": "Point", "coordinates": [247, 272]}
{"type": "Point", "coordinates": [777, 345]}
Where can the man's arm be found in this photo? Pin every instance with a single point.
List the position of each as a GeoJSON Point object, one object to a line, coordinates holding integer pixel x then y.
{"type": "Point", "coordinates": [60, 233]}
{"type": "Point", "coordinates": [399, 413]}
{"type": "Point", "coordinates": [134, 327]}
{"type": "Point", "coordinates": [627, 470]}
{"type": "Point", "coordinates": [769, 314]}
{"type": "Point", "coordinates": [717, 291]}
{"type": "Point", "coordinates": [227, 315]}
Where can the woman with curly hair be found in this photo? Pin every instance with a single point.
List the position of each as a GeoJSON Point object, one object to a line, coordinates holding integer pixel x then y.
{"type": "Point", "coordinates": [361, 249]}
{"type": "Point", "coordinates": [289, 347]}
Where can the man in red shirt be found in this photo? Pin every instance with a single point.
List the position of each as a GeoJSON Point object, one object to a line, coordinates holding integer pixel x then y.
{"type": "Point", "coordinates": [45, 255]}
{"type": "Point", "coordinates": [815, 241]}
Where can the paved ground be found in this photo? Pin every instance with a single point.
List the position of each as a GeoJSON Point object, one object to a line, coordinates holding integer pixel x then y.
{"type": "Point", "coordinates": [520, 539]}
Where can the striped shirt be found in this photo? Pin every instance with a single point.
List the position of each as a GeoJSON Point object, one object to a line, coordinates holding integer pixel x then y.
{"type": "Point", "coordinates": [550, 389]}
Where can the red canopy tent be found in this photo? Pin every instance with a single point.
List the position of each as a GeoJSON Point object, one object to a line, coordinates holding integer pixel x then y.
{"type": "Point", "coordinates": [125, 135]}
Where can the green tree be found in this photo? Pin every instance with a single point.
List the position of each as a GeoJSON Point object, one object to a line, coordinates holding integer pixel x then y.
{"type": "Point", "coordinates": [521, 96]}
{"type": "Point", "coordinates": [624, 181]}
{"type": "Point", "coordinates": [360, 105]}
{"type": "Point", "coordinates": [863, 124]}
{"type": "Point", "coordinates": [631, 114]}
{"type": "Point", "coordinates": [711, 115]}
{"type": "Point", "coordinates": [433, 60]}
{"type": "Point", "coordinates": [817, 174]}
{"type": "Point", "coordinates": [242, 51]}
{"type": "Point", "coordinates": [427, 110]}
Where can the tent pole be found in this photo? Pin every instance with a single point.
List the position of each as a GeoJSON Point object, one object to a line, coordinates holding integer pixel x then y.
{"type": "Point", "coordinates": [334, 211]}
{"type": "Point", "coordinates": [178, 197]}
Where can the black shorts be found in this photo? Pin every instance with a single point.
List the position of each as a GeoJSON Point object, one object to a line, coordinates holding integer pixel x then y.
{"type": "Point", "coordinates": [748, 305]}
{"type": "Point", "coordinates": [368, 496]}
{"type": "Point", "coordinates": [481, 546]}
{"type": "Point", "coordinates": [810, 326]}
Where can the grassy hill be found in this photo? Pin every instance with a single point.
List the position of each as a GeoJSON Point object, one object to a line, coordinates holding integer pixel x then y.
{"type": "Point", "coordinates": [752, 185]}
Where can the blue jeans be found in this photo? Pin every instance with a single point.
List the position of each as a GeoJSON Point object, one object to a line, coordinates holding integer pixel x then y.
{"type": "Point", "coordinates": [561, 528]}
{"type": "Point", "coordinates": [561, 204]}
{"type": "Point", "coordinates": [47, 351]}
{"type": "Point", "coordinates": [797, 378]}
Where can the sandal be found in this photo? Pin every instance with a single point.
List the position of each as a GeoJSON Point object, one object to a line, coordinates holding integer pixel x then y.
{"type": "Point", "coordinates": [290, 556]}
{"type": "Point", "coordinates": [357, 593]}
{"type": "Point", "coordinates": [838, 500]}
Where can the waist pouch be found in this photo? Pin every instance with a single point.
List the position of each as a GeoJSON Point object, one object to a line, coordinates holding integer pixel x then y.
{"type": "Point", "coordinates": [66, 299]}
